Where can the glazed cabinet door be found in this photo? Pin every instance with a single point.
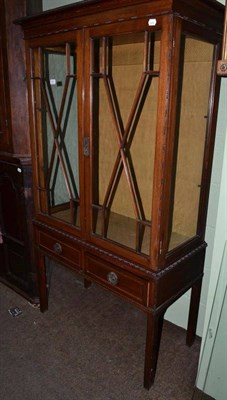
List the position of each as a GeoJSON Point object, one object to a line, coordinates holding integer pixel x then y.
{"type": "Point", "coordinates": [127, 84]}
{"type": "Point", "coordinates": [56, 74]}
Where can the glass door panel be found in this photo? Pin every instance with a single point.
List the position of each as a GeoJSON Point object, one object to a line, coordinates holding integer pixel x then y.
{"type": "Point", "coordinates": [196, 60]}
{"type": "Point", "coordinates": [55, 90]}
{"type": "Point", "coordinates": [125, 71]}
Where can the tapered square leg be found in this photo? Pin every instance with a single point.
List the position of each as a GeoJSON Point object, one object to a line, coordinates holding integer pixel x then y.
{"type": "Point", "coordinates": [193, 312]}
{"type": "Point", "coordinates": [154, 332]}
{"type": "Point", "coordinates": [42, 281]}
{"type": "Point", "coordinates": [87, 283]}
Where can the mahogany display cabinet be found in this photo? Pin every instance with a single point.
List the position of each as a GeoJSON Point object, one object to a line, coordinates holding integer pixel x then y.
{"type": "Point", "coordinates": [123, 106]}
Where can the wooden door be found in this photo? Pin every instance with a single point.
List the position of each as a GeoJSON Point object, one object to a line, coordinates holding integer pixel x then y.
{"type": "Point", "coordinates": [127, 81]}
{"type": "Point", "coordinates": [56, 87]}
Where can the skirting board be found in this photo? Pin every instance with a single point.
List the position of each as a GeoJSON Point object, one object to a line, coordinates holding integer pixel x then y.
{"type": "Point", "coordinates": [199, 395]}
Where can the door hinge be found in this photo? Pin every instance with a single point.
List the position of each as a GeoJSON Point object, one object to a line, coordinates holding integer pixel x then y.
{"type": "Point", "coordinates": [86, 146]}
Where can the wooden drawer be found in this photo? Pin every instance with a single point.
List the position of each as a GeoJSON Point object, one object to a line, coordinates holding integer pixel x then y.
{"type": "Point", "coordinates": [117, 280]}
{"type": "Point", "coordinates": [64, 252]}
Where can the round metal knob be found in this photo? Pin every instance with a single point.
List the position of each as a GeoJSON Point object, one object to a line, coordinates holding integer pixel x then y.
{"type": "Point", "coordinates": [57, 248]}
{"type": "Point", "coordinates": [223, 67]}
{"type": "Point", "coordinates": [112, 278]}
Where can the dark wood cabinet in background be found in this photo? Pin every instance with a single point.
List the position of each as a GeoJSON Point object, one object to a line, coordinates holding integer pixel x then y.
{"type": "Point", "coordinates": [17, 268]}
{"type": "Point", "coordinates": [5, 128]}
{"type": "Point", "coordinates": [123, 99]}
{"type": "Point", "coordinates": [16, 211]}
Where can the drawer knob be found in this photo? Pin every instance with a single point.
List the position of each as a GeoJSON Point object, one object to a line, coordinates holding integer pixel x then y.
{"type": "Point", "coordinates": [112, 278]}
{"type": "Point", "coordinates": [57, 248]}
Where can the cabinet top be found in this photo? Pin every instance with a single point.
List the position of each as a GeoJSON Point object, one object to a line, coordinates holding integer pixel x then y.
{"type": "Point", "coordinates": [208, 13]}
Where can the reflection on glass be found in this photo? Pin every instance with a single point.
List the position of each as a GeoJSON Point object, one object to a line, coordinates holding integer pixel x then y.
{"type": "Point", "coordinates": [125, 72]}
{"type": "Point", "coordinates": [194, 86]}
{"type": "Point", "coordinates": [56, 94]}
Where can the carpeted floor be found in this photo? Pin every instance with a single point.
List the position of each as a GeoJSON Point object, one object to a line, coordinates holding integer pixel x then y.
{"type": "Point", "coordinates": [88, 346]}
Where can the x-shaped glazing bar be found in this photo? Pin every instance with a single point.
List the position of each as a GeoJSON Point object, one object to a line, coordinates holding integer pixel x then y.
{"type": "Point", "coordinates": [56, 130]}
{"type": "Point", "coordinates": [123, 134]}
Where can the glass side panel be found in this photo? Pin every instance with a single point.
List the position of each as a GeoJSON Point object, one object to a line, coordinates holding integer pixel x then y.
{"type": "Point", "coordinates": [192, 109]}
{"type": "Point", "coordinates": [125, 71]}
{"type": "Point", "coordinates": [55, 84]}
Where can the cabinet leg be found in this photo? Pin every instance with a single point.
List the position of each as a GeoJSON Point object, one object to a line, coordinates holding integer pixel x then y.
{"type": "Point", "coordinates": [87, 283]}
{"type": "Point", "coordinates": [193, 312]}
{"type": "Point", "coordinates": [42, 282]}
{"type": "Point", "coordinates": [154, 331]}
